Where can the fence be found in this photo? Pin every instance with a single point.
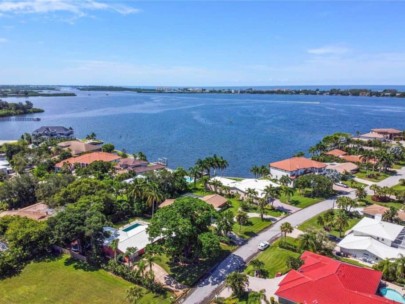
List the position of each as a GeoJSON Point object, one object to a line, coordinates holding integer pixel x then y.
{"type": "Point", "coordinates": [72, 254]}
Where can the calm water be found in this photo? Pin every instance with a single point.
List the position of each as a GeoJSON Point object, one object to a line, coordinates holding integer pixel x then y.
{"type": "Point", "coordinates": [246, 130]}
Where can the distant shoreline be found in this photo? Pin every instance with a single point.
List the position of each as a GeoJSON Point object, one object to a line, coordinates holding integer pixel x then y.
{"type": "Point", "coordinates": [315, 92]}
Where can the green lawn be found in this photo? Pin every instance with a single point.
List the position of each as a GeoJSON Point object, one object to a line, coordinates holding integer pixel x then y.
{"type": "Point", "coordinates": [369, 201]}
{"type": "Point", "coordinates": [61, 280]}
{"type": "Point", "coordinates": [254, 226]}
{"type": "Point", "coordinates": [235, 204]}
{"type": "Point", "coordinates": [300, 201]}
{"type": "Point", "coordinates": [312, 223]}
{"type": "Point", "coordinates": [399, 187]}
{"type": "Point", "coordinates": [352, 262]}
{"type": "Point", "coordinates": [190, 274]}
{"type": "Point", "coordinates": [274, 259]}
{"type": "Point", "coordinates": [380, 175]}
{"type": "Point", "coordinates": [353, 184]}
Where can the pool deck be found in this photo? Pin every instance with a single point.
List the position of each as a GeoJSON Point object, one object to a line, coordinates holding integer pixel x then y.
{"type": "Point", "coordinates": [400, 289]}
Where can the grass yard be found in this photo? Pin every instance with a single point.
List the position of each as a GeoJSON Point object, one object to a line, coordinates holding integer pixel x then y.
{"type": "Point", "coordinates": [190, 274]}
{"type": "Point", "coordinates": [399, 187]}
{"type": "Point", "coordinates": [235, 204]}
{"type": "Point", "coordinates": [354, 184]}
{"type": "Point", "coordinates": [352, 262]}
{"type": "Point", "coordinates": [378, 176]}
{"type": "Point", "coordinates": [300, 201]}
{"type": "Point", "coordinates": [62, 280]}
{"type": "Point", "coordinates": [254, 226]}
{"type": "Point", "coordinates": [369, 201]}
{"type": "Point", "coordinates": [312, 222]}
{"type": "Point", "coordinates": [274, 259]}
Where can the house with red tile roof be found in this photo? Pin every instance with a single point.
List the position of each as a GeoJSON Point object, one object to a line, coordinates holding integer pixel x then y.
{"type": "Point", "coordinates": [388, 133]}
{"type": "Point", "coordinates": [86, 159]}
{"type": "Point", "coordinates": [295, 166]}
{"type": "Point", "coordinates": [336, 153]}
{"type": "Point", "coordinates": [323, 280]}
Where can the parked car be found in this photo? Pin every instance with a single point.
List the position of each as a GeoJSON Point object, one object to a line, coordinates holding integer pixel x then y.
{"type": "Point", "coordinates": [342, 185]}
{"type": "Point", "coordinates": [263, 245]}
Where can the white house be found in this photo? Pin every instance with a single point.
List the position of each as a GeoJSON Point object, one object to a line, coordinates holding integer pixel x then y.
{"type": "Point", "coordinates": [242, 186]}
{"type": "Point", "coordinates": [374, 240]}
{"type": "Point", "coordinates": [296, 166]}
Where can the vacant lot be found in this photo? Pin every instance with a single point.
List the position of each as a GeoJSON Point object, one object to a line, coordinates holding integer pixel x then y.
{"type": "Point", "coordinates": [61, 280]}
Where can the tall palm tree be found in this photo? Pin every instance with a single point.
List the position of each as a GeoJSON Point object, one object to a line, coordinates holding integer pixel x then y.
{"type": "Point", "coordinates": [341, 221]}
{"type": "Point", "coordinates": [216, 184]}
{"type": "Point", "coordinates": [254, 170]}
{"type": "Point", "coordinates": [194, 172]}
{"type": "Point", "coordinates": [242, 219]}
{"type": "Point", "coordinates": [129, 254]}
{"type": "Point", "coordinates": [150, 259]}
{"type": "Point", "coordinates": [286, 228]}
{"type": "Point", "coordinates": [288, 192]}
{"type": "Point", "coordinates": [400, 267]}
{"type": "Point", "coordinates": [114, 247]}
{"type": "Point", "coordinates": [237, 282]}
{"type": "Point", "coordinates": [285, 180]}
{"type": "Point", "coordinates": [153, 195]}
{"type": "Point", "coordinates": [262, 203]}
{"type": "Point", "coordinates": [308, 241]}
{"type": "Point", "coordinates": [251, 194]}
{"type": "Point", "coordinates": [271, 193]}
{"type": "Point", "coordinates": [141, 268]}
{"type": "Point", "coordinates": [361, 193]}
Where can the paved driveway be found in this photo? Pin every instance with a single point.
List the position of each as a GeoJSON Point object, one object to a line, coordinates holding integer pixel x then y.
{"type": "Point", "coordinates": [237, 259]}
{"type": "Point", "coordinates": [389, 181]}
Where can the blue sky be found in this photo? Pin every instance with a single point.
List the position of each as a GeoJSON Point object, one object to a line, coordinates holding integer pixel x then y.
{"type": "Point", "coordinates": [197, 43]}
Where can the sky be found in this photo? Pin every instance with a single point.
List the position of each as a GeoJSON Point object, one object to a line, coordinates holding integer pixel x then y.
{"type": "Point", "coordinates": [202, 43]}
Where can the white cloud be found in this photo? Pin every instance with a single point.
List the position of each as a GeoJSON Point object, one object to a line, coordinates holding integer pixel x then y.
{"type": "Point", "coordinates": [77, 8]}
{"type": "Point", "coordinates": [329, 50]}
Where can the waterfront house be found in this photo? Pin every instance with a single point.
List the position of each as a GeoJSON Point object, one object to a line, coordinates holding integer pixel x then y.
{"type": "Point", "coordinates": [131, 164]}
{"type": "Point", "coordinates": [323, 280]}
{"type": "Point", "coordinates": [50, 132]}
{"type": "Point", "coordinates": [296, 166]}
{"type": "Point", "coordinates": [241, 187]}
{"type": "Point", "coordinates": [373, 240]}
{"type": "Point", "coordinates": [342, 168]}
{"type": "Point", "coordinates": [77, 147]}
{"type": "Point", "coordinates": [371, 136]}
{"type": "Point", "coordinates": [388, 133]}
{"type": "Point", "coordinates": [86, 159]}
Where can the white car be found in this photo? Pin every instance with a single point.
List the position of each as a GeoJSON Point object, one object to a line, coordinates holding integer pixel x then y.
{"type": "Point", "coordinates": [263, 245]}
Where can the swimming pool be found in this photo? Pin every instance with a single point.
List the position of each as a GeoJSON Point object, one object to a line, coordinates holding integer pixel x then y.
{"type": "Point", "coordinates": [129, 228]}
{"type": "Point", "coordinates": [392, 294]}
{"type": "Point", "coordinates": [189, 179]}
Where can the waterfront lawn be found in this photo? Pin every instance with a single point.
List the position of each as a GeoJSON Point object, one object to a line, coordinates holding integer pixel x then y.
{"type": "Point", "coordinates": [63, 280]}
{"type": "Point", "coordinates": [275, 259]}
{"type": "Point", "coordinates": [373, 176]}
{"type": "Point", "coordinates": [312, 223]}
{"type": "Point", "coordinates": [254, 226]}
{"type": "Point", "coordinates": [300, 200]}
{"type": "Point", "coordinates": [191, 273]}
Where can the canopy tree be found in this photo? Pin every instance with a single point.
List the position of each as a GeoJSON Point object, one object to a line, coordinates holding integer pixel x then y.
{"type": "Point", "coordinates": [185, 228]}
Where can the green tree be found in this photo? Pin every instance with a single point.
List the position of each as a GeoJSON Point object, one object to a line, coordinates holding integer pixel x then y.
{"type": "Point", "coordinates": [242, 219]}
{"type": "Point", "coordinates": [237, 282]}
{"type": "Point", "coordinates": [391, 215]}
{"type": "Point", "coordinates": [341, 221]}
{"type": "Point", "coordinates": [180, 225]}
{"type": "Point", "coordinates": [134, 294]}
{"type": "Point", "coordinates": [345, 203]}
{"type": "Point", "coordinates": [261, 204]}
{"type": "Point", "coordinates": [294, 263]}
{"type": "Point", "coordinates": [19, 191]}
{"type": "Point", "coordinates": [286, 228]}
{"type": "Point", "coordinates": [209, 245]}
{"type": "Point", "coordinates": [114, 247]}
{"type": "Point", "coordinates": [257, 266]}
{"type": "Point", "coordinates": [225, 221]}
{"type": "Point", "coordinates": [108, 148]}
{"type": "Point", "coordinates": [288, 192]}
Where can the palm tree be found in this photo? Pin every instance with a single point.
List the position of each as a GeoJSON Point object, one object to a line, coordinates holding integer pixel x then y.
{"type": "Point", "coordinates": [254, 170]}
{"type": "Point", "coordinates": [129, 254]}
{"type": "Point", "coordinates": [242, 219]}
{"type": "Point", "coordinates": [257, 266]}
{"type": "Point", "coordinates": [134, 294]}
{"type": "Point", "coordinates": [251, 194]}
{"type": "Point", "coordinates": [400, 267]}
{"type": "Point", "coordinates": [114, 247]}
{"type": "Point", "coordinates": [264, 171]}
{"type": "Point", "coordinates": [285, 180]}
{"type": "Point", "coordinates": [194, 172]}
{"type": "Point", "coordinates": [141, 268]}
{"type": "Point", "coordinates": [271, 193]}
{"type": "Point", "coordinates": [216, 184]}
{"type": "Point", "coordinates": [390, 215]}
{"type": "Point", "coordinates": [286, 228]}
{"type": "Point", "coordinates": [262, 203]}
{"type": "Point", "coordinates": [152, 195]}
{"type": "Point", "coordinates": [308, 241]}
{"type": "Point", "coordinates": [288, 192]}
{"type": "Point", "coordinates": [361, 193]}
{"type": "Point", "coordinates": [237, 282]}
{"type": "Point", "coordinates": [150, 259]}
{"type": "Point", "coordinates": [341, 221]}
